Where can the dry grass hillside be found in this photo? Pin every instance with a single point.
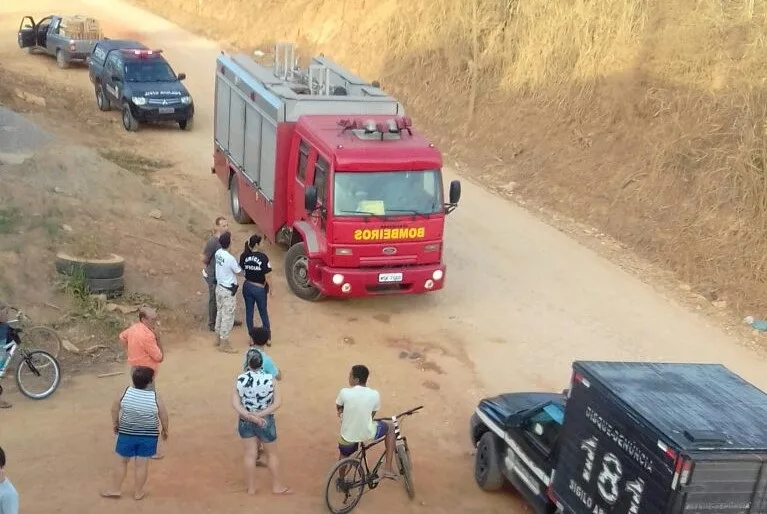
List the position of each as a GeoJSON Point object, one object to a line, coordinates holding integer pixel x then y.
{"type": "Point", "coordinates": [645, 118]}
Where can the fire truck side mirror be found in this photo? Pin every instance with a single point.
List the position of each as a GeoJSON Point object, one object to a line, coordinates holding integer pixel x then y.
{"type": "Point", "coordinates": [455, 192]}
{"type": "Point", "coordinates": [310, 198]}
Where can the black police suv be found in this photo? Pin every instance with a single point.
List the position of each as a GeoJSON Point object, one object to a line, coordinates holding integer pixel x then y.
{"type": "Point", "coordinates": [629, 438]}
{"type": "Point", "coordinates": [139, 81]}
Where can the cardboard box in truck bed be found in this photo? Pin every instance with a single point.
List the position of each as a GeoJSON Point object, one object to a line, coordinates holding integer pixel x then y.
{"type": "Point", "coordinates": [661, 438]}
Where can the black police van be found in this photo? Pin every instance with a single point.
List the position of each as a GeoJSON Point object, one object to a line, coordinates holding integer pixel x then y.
{"type": "Point", "coordinates": [129, 76]}
{"type": "Point", "coordinates": [630, 438]}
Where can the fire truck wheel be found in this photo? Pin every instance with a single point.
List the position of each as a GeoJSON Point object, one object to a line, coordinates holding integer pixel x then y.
{"type": "Point", "coordinates": [297, 273]}
{"type": "Point", "coordinates": [112, 266]}
{"type": "Point", "coordinates": [238, 213]}
{"type": "Point", "coordinates": [129, 122]}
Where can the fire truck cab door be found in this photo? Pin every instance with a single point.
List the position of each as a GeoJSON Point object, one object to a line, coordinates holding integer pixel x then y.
{"type": "Point", "coordinates": [303, 177]}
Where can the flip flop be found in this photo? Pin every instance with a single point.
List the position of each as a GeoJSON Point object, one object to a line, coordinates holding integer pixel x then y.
{"type": "Point", "coordinates": [284, 492]}
{"type": "Point", "coordinates": [5, 405]}
{"type": "Point", "coordinates": [390, 476]}
{"type": "Point", "coordinates": [112, 496]}
{"type": "Point", "coordinates": [158, 457]}
{"type": "Point", "coordinates": [261, 464]}
{"type": "Point", "coordinates": [139, 497]}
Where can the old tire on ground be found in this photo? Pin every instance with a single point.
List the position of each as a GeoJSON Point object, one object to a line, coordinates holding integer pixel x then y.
{"type": "Point", "coordinates": [129, 122]}
{"type": "Point", "coordinates": [297, 273]}
{"type": "Point", "coordinates": [487, 463]}
{"type": "Point", "coordinates": [239, 215]}
{"type": "Point", "coordinates": [101, 98]}
{"type": "Point", "coordinates": [62, 60]}
{"type": "Point", "coordinates": [112, 266]}
{"type": "Point", "coordinates": [111, 287]}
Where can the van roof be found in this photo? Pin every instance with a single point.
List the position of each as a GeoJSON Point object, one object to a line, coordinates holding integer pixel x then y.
{"type": "Point", "coordinates": [690, 404]}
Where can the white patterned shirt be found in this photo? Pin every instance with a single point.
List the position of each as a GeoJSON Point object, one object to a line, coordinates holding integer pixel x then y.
{"type": "Point", "coordinates": [256, 390]}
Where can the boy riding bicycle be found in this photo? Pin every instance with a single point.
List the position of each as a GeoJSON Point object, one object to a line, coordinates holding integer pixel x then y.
{"type": "Point", "coordinates": [357, 406]}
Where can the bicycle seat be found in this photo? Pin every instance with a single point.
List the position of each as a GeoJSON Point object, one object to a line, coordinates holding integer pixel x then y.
{"type": "Point", "coordinates": [372, 442]}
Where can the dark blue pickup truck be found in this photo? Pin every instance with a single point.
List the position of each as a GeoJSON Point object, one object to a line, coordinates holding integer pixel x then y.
{"type": "Point", "coordinates": [128, 76]}
{"type": "Point", "coordinates": [629, 438]}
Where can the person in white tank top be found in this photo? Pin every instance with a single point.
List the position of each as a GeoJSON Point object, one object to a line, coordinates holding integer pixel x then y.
{"type": "Point", "coordinates": [357, 406]}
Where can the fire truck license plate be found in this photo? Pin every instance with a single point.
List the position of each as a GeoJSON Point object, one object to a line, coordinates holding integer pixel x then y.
{"type": "Point", "coordinates": [390, 277]}
{"type": "Point", "coordinates": [166, 110]}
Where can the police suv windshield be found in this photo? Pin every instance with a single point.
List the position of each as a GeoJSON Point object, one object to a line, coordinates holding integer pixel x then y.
{"type": "Point", "coordinates": [387, 193]}
{"type": "Point", "coordinates": [149, 71]}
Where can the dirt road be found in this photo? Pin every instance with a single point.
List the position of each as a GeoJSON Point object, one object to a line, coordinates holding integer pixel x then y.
{"type": "Point", "coordinates": [522, 301]}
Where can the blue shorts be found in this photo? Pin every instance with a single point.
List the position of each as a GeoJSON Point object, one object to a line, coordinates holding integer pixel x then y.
{"type": "Point", "coordinates": [129, 446]}
{"type": "Point", "coordinates": [266, 434]}
{"type": "Point", "coordinates": [347, 448]}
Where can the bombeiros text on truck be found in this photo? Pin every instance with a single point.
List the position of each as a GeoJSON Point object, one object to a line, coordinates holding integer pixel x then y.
{"type": "Point", "coordinates": [629, 438]}
{"type": "Point", "coordinates": [327, 165]}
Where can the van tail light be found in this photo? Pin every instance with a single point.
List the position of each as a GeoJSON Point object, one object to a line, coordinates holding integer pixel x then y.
{"type": "Point", "coordinates": [343, 251]}
{"type": "Point", "coordinates": [431, 247]}
{"type": "Point", "coordinates": [682, 471]}
{"type": "Point", "coordinates": [684, 478]}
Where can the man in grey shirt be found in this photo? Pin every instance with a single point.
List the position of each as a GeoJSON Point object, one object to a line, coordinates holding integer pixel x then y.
{"type": "Point", "coordinates": [209, 270]}
{"type": "Point", "coordinates": [9, 498]}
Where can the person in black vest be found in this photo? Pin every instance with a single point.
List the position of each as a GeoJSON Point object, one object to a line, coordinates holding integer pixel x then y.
{"type": "Point", "coordinates": [255, 289]}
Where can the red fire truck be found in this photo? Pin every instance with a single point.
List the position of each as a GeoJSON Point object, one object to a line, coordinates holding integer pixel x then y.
{"type": "Point", "coordinates": [328, 166]}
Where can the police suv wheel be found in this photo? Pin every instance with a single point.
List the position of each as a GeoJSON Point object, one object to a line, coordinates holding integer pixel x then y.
{"type": "Point", "coordinates": [101, 99]}
{"type": "Point", "coordinates": [186, 124]}
{"type": "Point", "coordinates": [487, 463]}
{"type": "Point", "coordinates": [129, 122]}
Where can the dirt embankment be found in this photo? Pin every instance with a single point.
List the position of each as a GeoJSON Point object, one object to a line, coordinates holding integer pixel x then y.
{"type": "Point", "coordinates": [91, 202]}
{"type": "Point", "coordinates": [645, 119]}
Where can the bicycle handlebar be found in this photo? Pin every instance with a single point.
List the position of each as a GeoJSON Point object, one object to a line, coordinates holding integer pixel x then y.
{"type": "Point", "coordinates": [403, 414]}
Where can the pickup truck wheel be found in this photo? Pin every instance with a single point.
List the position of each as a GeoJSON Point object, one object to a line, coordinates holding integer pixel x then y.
{"type": "Point", "coordinates": [186, 124]}
{"type": "Point", "coordinates": [297, 273]}
{"type": "Point", "coordinates": [239, 215]}
{"type": "Point", "coordinates": [101, 99]}
{"type": "Point", "coordinates": [61, 59]}
{"type": "Point", "coordinates": [129, 122]}
{"type": "Point", "coordinates": [487, 463]}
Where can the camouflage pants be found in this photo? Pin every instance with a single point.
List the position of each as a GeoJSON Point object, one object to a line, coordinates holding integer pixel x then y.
{"type": "Point", "coordinates": [225, 304]}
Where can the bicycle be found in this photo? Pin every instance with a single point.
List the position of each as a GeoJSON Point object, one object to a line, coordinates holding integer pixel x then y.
{"type": "Point", "coordinates": [357, 466]}
{"type": "Point", "coordinates": [33, 361]}
{"type": "Point", "coordinates": [37, 337]}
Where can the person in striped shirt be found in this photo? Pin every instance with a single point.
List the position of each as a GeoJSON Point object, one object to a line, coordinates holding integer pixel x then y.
{"type": "Point", "coordinates": [139, 418]}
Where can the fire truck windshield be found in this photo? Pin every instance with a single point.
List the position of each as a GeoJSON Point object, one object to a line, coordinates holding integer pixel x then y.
{"type": "Point", "coordinates": [387, 193]}
{"type": "Point", "coordinates": [155, 70]}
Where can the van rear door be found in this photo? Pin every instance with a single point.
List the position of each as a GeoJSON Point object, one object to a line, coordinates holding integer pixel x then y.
{"type": "Point", "coordinates": [609, 462]}
{"type": "Point", "coordinates": [723, 484]}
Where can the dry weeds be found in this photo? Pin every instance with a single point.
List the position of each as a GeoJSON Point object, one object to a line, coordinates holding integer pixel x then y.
{"type": "Point", "coordinates": [645, 118]}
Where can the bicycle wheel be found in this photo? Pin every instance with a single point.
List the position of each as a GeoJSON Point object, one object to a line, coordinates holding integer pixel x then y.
{"type": "Point", "coordinates": [42, 338]}
{"type": "Point", "coordinates": [347, 479]}
{"type": "Point", "coordinates": [403, 460]}
{"type": "Point", "coordinates": [41, 367]}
